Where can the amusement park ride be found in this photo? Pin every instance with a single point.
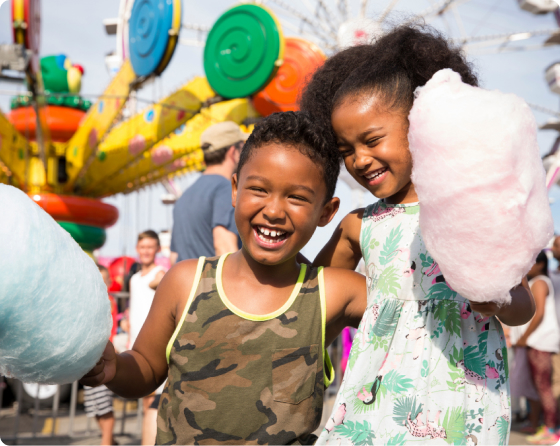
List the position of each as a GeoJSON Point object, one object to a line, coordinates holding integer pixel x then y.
{"type": "Point", "coordinates": [68, 153]}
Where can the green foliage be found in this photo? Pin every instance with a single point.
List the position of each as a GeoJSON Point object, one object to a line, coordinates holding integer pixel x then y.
{"type": "Point", "coordinates": [390, 246]}
{"type": "Point", "coordinates": [454, 425]}
{"type": "Point", "coordinates": [394, 382]}
{"type": "Point", "coordinates": [455, 373]}
{"type": "Point", "coordinates": [446, 312]}
{"type": "Point", "coordinates": [397, 440]}
{"type": "Point", "coordinates": [403, 407]}
{"type": "Point", "coordinates": [359, 433]}
{"type": "Point", "coordinates": [360, 407]}
{"type": "Point", "coordinates": [379, 343]}
{"type": "Point", "coordinates": [441, 291]}
{"type": "Point", "coordinates": [411, 210]}
{"type": "Point", "coordinates": [389, 281]}
{"type": "Point", "coordinates": [366, 239]}
{"type": "Point", "coordinates": [505, 360]}
{"type": "Point", "coordinates": [387, 319]}
{"type": "Point", "coordinates": [503, 427]}
{"type": "Point", "coordinates": [474, 360]}
{"type": "Point", "coordinates": [426, 260]}
{"type": "Point", "coordinates": [425, 371]}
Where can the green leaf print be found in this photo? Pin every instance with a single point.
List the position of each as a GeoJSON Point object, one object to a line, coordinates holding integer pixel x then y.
{"type": "Point", "coordinates": [505, 359]}
{"type": "Point", "coordinates": [474, 360]}
{"type": "Point", "coordinates": [388, 318]}
{"type": "Point", "coordinates": [360, 407]}
{"type": "Point", "coordinates": [448, 315]}
{"type": "Point", "coordinates": [502, 426]}
{"type": "Point", "coordinates": [424, 372]}
{"type": "Point", "coordinates": [397, 440]}
{"type": "Point", "coordinates": [441, 291]}
{"type": "Point", "coordinates": [454, 425]}
{"type": "Point", "coordinates": [379, 343]}
{"type": "Point", "coordinates": [405, 406]}
{"type": "Point", "coordinates": [389, 281]}
{"type": "Point", "coordinates": [359, 434]}
{"type": "Point", "coordinates": [455, 356]}
{"type": "Point", "coordinates": [390, 246]}
{"type": "Point", "coordinates": [366, 239]}
{"type": "Point", "coordinates": [394, 382]}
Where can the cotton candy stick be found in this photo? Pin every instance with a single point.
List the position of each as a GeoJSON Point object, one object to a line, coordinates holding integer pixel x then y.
{"type": "Point", "coordinates": [55, 316]}
{"type": "Point", "coordinates": [484, 210]}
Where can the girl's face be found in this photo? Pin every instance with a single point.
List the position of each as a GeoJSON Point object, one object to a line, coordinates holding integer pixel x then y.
{"type": "Point", "coordinates": [373, 141]}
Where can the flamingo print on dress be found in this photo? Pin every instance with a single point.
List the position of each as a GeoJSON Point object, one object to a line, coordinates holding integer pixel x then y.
{"type": "Point", "coordinates": [337, 419]}
{"type": "Point", "coordinates": [368, 397]}
{"type": "Point", "coordinates": [417, 335]}
{"type": "Point", "coordinates": [474, 379]}
{"type": "Point", "coordinates": [431, 429]}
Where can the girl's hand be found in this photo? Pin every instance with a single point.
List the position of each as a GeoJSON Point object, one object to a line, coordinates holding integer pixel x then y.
{"type": "Point", "coordinates": [486, 309]}
{"type": "Point", "coordinates": [105, 369]}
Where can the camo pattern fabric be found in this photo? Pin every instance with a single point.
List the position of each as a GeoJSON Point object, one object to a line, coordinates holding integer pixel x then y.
{"type": "Point", "coordinates": [235, 380]}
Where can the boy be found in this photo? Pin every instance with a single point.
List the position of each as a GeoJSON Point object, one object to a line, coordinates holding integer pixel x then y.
{"type": "Point", "coordinates": [142, 290]}
{"type": "Point", "coordinates": [98, 401]}
{"type": "Point", "coordinates": [241, 338]}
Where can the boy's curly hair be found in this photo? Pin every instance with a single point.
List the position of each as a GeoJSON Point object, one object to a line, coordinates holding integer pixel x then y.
{"type": "Point", "coordinates": [300, 131]}
{"type": "Point", "coordinates": [393, 66]}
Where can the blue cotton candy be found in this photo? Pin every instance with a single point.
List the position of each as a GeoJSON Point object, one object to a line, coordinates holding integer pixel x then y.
{"type": "Point", "coordinates": [55, 316]}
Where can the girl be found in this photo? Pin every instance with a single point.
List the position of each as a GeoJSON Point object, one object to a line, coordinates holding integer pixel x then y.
{"type": "Point", "coordinates": [426, 364]}
{"type": "Point", "coordinates": [541, 338]}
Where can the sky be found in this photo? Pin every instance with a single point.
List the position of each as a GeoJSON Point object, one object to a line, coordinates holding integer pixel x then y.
{"type": "Point", "coordinates": [75, 28]}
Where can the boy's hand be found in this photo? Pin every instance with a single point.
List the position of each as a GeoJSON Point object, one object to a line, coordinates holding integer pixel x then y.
{"type": "Point", "coordinates": [105, 369]}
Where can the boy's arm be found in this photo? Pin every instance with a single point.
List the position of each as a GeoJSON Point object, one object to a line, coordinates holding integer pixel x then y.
{"type": "Point", "coordinates": [343, 249]}
{"type": "Point", "coordinates": [346, 300]}
{"type": "Point", "coordinates": [157, 280]}
{"type": "Point", "coordinates": [138, 372]}
{"type": "Point", "coordinates": [519, 311]}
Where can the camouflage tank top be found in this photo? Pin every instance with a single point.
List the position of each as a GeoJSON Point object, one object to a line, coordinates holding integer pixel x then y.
{"type": "Point", "coordinates": [238, 378]}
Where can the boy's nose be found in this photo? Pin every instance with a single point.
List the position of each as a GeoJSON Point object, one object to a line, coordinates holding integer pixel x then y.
{"type": "Point", "coordinates": [274, 211]}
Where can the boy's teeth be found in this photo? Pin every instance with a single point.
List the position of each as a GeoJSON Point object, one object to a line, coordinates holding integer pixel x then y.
{"type": "Point", "coordinates": [273, 233]}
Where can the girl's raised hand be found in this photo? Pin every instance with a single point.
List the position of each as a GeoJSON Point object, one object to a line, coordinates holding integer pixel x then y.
{"type": "Point", "coordinates": [105, 369]}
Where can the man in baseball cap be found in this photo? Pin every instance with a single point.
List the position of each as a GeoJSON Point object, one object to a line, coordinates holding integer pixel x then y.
{"type": "Point", "coordinates": [203, 223]}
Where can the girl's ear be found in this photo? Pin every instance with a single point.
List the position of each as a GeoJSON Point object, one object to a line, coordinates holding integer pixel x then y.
{"type": "Point", "coordinates": [329, 211]}
{"type": "Point", "coordinates": [233, 189]}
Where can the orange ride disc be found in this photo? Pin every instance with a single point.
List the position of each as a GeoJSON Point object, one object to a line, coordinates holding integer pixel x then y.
{"type": "Point", "coordinates": [80, 210]}
{"type": "Point", "coordinates": [301, 59]}
{"type": "Point", "coordinates": [61, 121]}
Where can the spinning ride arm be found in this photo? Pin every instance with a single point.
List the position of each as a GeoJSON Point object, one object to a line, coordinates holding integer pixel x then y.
{"type": "Point", "coordinates": [14, 152]}
{"type": "Point", "coordinates": [129, 140]}
{"type": "Point", "coordinates": [168, 156]}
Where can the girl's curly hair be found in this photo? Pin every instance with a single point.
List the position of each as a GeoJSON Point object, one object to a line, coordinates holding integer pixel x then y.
{"type": "Point", "coordinates": [393, 66]}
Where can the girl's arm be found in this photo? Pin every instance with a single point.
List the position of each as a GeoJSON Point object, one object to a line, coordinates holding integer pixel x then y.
{"type": "Point", "coordinates": [138, 372]}
{"type": "Point", "coordinates": [518, 312]}
{"type": "Point", "coordinates": [346, 300]}
{"type": "Point", "coordinates": [540, 292]}
{"type": "Point", "coordinates": [343, 249]}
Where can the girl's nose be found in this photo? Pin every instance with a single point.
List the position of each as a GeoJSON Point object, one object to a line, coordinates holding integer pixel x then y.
{"type": "Point", "coordinates": [362, 158]}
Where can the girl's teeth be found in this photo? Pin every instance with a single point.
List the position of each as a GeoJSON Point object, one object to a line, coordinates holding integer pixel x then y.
{"type": "Point", "coordinates": [266, 232]}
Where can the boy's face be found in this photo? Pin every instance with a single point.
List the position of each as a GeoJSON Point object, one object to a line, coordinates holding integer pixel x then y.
{"type": "Point", "coordinates": [279, 202]}
{"type": "Point", "coordinates": [147, 248]}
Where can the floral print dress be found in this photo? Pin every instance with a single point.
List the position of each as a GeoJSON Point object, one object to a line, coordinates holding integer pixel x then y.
{"type": "Point", "coordinates": [423, 367]}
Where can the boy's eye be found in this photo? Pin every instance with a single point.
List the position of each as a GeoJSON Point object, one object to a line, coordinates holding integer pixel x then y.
{"type": "Point", "coordinates": [257, 189]}
{"type": "Point", "coordinates": [298, 198]}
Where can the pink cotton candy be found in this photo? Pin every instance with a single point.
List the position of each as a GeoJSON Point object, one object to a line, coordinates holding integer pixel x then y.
{"type": "Point", "coordinates": [484, 210]}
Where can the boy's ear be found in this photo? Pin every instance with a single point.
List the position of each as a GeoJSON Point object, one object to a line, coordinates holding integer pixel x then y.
{"type": "Point", "coordinates": [329, 211]}
{"type": "Point", "coordinates": [233, 189]}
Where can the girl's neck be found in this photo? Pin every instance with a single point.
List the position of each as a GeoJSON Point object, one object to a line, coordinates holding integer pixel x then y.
{"type": "Point", "coordinates": [406, 195]}
{"type": "Point", "coordinates": [241, 264]}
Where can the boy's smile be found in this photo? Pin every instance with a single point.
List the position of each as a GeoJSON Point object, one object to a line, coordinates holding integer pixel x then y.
{"type": "Point", "coordinates": [279, 200]}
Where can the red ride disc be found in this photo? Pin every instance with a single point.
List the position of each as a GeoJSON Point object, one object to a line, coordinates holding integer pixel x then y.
{"type": "Point", "coordinates": [301, 59]}
{"type": "Point", "coordinates": [80, 210]}
{"type": "Point", "coordinates": [61, 121]}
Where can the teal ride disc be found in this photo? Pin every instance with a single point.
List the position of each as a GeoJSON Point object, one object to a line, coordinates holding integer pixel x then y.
{"type": "Point", "coordinates": [243, 51]}
{"type": "Point", "coordinates": [153, 32]}
{"type": "Point", "coordinates": [88, 237]}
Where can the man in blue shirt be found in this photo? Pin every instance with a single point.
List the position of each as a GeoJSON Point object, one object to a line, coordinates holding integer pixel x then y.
{"type": "Point", "coordinates": [203, 223]}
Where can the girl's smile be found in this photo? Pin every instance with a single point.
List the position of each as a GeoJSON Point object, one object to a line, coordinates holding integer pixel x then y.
{"type": "Point", "coordinates": [373, 142]}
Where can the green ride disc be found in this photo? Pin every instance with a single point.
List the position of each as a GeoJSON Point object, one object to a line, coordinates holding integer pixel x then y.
{"type": "Point", "coordinates": [88, 237]}
{"type": "Point", "coordinates": [243, 51]}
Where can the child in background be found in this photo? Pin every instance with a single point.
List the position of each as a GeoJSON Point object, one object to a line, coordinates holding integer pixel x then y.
{"type": "Point", "coordinates": [142, 290]}
{"type": "Point", "coordinates": [98, 401]}
{"type": "Point", "coordinates": [241, 337]}
{"type": "Point", "coordinates": [426, 364]}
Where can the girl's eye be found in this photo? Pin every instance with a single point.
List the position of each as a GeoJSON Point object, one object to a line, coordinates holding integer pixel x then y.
{"type": "Point", "coordinates": [372, 142]}
{"type": "Point", "coordinates": [345, 151]}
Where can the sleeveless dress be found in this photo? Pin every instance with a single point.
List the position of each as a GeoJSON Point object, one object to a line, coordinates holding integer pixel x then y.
{"type": "Point", "coordinates": [238, 378]}
{"type": "Point", "coordinates": [423, 367]}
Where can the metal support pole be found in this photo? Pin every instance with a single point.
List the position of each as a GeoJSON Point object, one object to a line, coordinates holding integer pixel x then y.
{"type": "Point", "coordinates": [36, 411]}
{"type": "Point", "coordinates": [56, 403]}
{"type": "Point", "coordinates": [2, 381]}
{"type": "Point", "coordinates": [123, 416]}
{"type": "Point", "coordinates": [18, 412]}
{"type": "Point", "coordinates": [73, 402]}
{"type": "Point", "coordinates": [139, 415]}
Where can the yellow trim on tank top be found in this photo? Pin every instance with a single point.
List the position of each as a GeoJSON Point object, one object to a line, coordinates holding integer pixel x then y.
{"type": "Point", "coordinates": [194, 287]}
{"type": "Point", "coordinates": [257, 317]}
{"type": "Point", "coordinates": [328, 369]}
